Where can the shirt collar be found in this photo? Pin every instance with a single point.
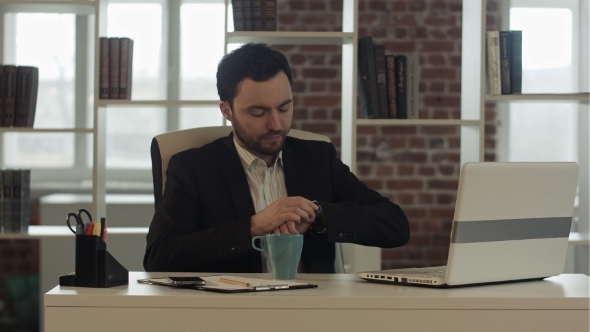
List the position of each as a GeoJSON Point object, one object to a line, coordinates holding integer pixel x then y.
{"type": "Point", "coordinates": [247, 158]}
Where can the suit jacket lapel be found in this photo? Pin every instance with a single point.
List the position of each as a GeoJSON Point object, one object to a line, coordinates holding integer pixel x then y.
{"type": "Point", "coordinates": [235, 178]}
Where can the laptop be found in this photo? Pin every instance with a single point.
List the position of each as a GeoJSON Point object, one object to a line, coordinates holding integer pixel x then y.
{"type": "Point", "coordinates": [512, 222]}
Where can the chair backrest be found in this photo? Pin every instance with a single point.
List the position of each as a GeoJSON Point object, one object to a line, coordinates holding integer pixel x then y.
{"type": "Point", "coordinates": [164, 146]}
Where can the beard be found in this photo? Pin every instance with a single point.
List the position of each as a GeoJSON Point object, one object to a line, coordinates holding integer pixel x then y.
{"type": "Point", "coordinates": [256, 144]}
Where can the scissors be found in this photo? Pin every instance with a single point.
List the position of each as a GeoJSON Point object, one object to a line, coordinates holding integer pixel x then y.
{"type": "Point", "coordinates": [80, 223]}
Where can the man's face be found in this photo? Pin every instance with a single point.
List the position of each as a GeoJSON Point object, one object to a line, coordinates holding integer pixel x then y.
{"type": "Point", "coordinates": [261, 115]}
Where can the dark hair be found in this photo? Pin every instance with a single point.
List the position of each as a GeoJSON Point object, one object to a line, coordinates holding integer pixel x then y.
{"type": "Point", "coordinates": [258, 62]}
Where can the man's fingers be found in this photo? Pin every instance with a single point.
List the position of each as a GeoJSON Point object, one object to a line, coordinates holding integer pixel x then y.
{"type": "Point", "coordinates": [291, 227]}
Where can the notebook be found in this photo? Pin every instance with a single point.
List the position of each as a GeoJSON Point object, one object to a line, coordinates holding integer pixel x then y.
{"type": "Point", "coordinates": [233, 284]}
{"type": "Point", "coordinates": [512, 222]}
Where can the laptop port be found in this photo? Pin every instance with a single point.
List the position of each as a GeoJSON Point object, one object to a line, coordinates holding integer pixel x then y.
{"type": "Point", "coordinates": [404, 279]}
{"type": "Point", "coordinates": [382, 277]}
{"type": "Point", "coordinates": [389, 278]}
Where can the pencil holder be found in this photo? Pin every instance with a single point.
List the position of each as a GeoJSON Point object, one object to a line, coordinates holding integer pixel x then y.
{"type": "Point", "coordinates": [95, 266]}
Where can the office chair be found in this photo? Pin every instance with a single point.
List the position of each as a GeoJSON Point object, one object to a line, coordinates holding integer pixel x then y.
{"type": "Point", "coordinates": [164, 146]}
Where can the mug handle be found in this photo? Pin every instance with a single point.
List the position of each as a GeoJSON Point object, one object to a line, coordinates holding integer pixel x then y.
{"type": "Point", "coordinates": [262, 240]}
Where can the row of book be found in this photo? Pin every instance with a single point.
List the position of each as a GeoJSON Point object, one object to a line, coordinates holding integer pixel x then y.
{"type": "Point", "coordinates": [18, 95]}
{"type": "Point", "coordinates": [15, 200]}
{"type": "Point", "coordinates": [255, 15]}
{"type": "Point", "coordinates": [387, 84]}
{"type": "Point", "coordinates": [116, 64]}
{"type": "Point", "coordinates": [504, 62]}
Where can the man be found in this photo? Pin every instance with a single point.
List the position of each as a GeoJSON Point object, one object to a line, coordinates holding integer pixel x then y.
{"type": "Point", "coordinates": [257, 181]}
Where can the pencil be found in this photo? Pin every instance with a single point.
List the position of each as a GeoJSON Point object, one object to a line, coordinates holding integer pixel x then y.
{"type": "Point", "coordinates": [235, 282]}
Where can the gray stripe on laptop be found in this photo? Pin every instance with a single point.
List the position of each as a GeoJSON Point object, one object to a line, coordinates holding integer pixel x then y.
{"type": "Point", "coordinates": [510, 229]}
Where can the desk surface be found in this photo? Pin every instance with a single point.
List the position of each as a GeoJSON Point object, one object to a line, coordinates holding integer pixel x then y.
{"type": "Point", "coordinates": [338, 291]}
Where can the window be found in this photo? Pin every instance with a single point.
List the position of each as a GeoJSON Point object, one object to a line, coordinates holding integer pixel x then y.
{"type": "Point", "coordinates": [166, 65]}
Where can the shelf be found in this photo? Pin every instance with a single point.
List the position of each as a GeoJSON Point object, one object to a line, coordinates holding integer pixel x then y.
{"type": "Point", "coordinates": [579, 239]}
{"type": "Point", "coordinates": [45, 130]}
{"type": "Point", "coordinates": [290, 37]}
{"type": "Point", "coordinates": [537, 97]}
{"type": "Point", "coordinates": [79, 7]}
{"type": "Point", "coordinates": [166, 103]}
{"type": "Point", "coordinates": [39, 232]}
{"type": "Point", "coordinates": [416, 122]}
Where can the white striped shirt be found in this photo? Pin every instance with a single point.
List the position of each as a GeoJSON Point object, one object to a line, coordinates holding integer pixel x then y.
{"type": "Point", "coordinates": [267, 184]}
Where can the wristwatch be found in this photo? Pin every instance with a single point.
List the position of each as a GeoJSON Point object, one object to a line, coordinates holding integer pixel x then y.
{"type": "Point", "coordinates": [319, 223]}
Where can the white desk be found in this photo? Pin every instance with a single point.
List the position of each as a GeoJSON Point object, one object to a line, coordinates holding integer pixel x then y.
{"type": "Point", "coordinates": [341, 303]}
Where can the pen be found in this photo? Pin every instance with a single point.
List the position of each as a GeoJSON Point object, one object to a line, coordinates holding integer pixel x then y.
{"type": "Point", "coordinates": [235, 282]}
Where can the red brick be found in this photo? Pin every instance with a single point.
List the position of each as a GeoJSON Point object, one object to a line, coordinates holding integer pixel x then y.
{"type": "Point", "coordinates": [398, 130]}
{"type": "Point", "coordinates": [318, 86]}
{"type": "Point", "coordinates": [437, 87]}
{"type": "Point", "coordinates": [286, 19]}
{"type": "Point", "coordinates": [436, 255]}
{"type": "Point", "coordinates": [406, 20]}
{"type": "Point", "coordinates": [455, 33]}
{"type": "Point", "coordinates": [377, 6]}
{"type": "Point", "coordinates": [420, 33]}
{"type": "Point", "coordinates": [365, 156]}
{"type": "Point", "coordinates": [297, 59]}
{"type": "Point", "coordinates": [299, 114]}
{"type": "Point", "coordinates": [455, 87]}
{"type": "Point", "coordinates": [392, 254]}
{"type": "Point", "coordinates": [416, 6]}
{"type": "Point", "coordinates": [374, 184]}
{"type": "Point", "coordinates": [442, 240]}
{"type": "Point", "coordinates": [336, 6]}
{"type": "Point", "coordinates": [323, 73]}
{"type": "Point", "coordinates": [440, 114]}
{"type": "Point", "coordinates": [419, 240]}
{"type": "Point", "coordinates": [425, 198]}
{"type": "Point", "coordinates": [322, 101]}
{"type": "Point", "coordinates": [439, 130]}
{"type": "Point", "coordinates": [397, 6]}
{"type": "Point", "coordinates": [417, 142]}
{"type": "Point", "coordinates": [397, 143]}
{"type": "Point", "coordinates": [405, 199]}
{"type": "Point", "coordinates": [424, 170]}
{"type": "Point", "coordinates": [454, 143]}
{"type": "Point", "coordinates": [442, 184]}
{"type": "Point", "coordinates": [456, 7]}
{"type": "Point", "coordinates": [440, 20]}
{"type": "Point", "coordinates": [415, 213]}
{"type": "Point", "coordinates": [404, 184]}
{"type": "Point", "coordinates": [335, 60]}
{"type": "Point", "coordinates": [384, 170]}
{"type": "Point", "coordinates": [366, 130]}
{"type": "Point", "coordinates": [437, 47]}
{"type": "Point", "coordinates": [321, 114]}
{"type": "Point", "coordinates": [297, 4]}
{"type": "Point", "coordinates": [298, 86]}
{"type": "Point", "coordinates": [438, 74]}
{"type": "Point", "coordinates": [317, 6]}
{"type": "Point", "coordinates": [405, 170]}
{"type": "Point", "coordinates": [320, 128]}
{"type": "Point", "coordinates": [364, 170]}
{"type": "Point", "coordinates": [438, 6]}
{"type": "Point", "coordinates": [489, 143]}
{"type": "Point", "coordinates": [414, 157]}
{"type": "Point", "coordinates": [489, 129]}
{"type": "Point", "coordinates": [446, 170]}
{"type": "Point", "coordinates": [437, 60]}
{"type": "Point", "coordinates": [431, 226]}
{"type": "Point", "coordinates": [442, 101]}
{"type": "Point", "coordinates": [400, 33]}
{"type": "Point", "coordinates": [489, 157]}
{"type": "Point", "coordinates": [379, 32]}
{"type": "Point", "coordinates": [442, 212]}
{"type": "Point", "coordinates": [491, 6]}
{"type": "Point", "coordinates": [445, 199]}
{"type": "Point", "coordinates": [400, 47]}
{"type": "Point", "coordinates": [455, 60]}
{"type": "Point", "coordinates": [446, 156]}
{"type": "Point", "coordinates": [319, 48]}
{"type": "Point", "coordinates": [335, 87]}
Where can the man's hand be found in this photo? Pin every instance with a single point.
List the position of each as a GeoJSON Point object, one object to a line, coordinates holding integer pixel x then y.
{"type": "Point", "coordinates": [287, 215]}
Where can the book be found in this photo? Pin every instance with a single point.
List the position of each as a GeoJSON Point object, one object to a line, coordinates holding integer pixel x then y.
{"type": "Point", "coordinates": [27, 85]}
{"type": "Point", "coordinates": [505, 62]}
{"type": "Point", "coordinates": [256, 15]}
{"type": "Point", "coordinates": [362, 95]}
{"type": "Point", "coordinates": [7, 201]}
{"type": "Point", "coordinates": [401, 86]}
{"type": "Point", "coordinates": [413, 74]}
{"type": "Point", "coordinates": [366, 58]}
{"type": "Point", "coordinates": [21, 184]}
{"type": "Point", "coordinates": [390, 75]}
{"type": "Point", "coordinates": [380, 68]}
{"type": "Point", "coordinates": [247, 14]}
{"type": "Point", "coordinates": [125, 68]}
{"type": "Point", "coordinates": [104, 68]}
{"type": "Point", "coordinates": [269, 18]}
{"type": "Point", "coordinates": [238, 15]}
{"type": "Point", "coordinates": [9, 96]}
{"type": "Point", "coordinates": [1, 102]}
{"type": "Point", "coordinates": [114, 58]}
{"type": "Point", "coordinates": [493, 62]}
{"type": "Point", "coordinates": [516, 62]}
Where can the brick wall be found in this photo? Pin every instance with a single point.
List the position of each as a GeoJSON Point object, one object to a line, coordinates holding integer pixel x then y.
{"type": "Point", "coordinates": [415, 166]}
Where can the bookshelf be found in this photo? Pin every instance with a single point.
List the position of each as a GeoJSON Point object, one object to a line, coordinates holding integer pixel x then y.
{"type": "Point", "coordinates": [474, 97]}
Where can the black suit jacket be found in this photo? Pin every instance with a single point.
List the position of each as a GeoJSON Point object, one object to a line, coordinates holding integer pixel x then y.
{"type": "Point", "coordinates": [203, 222]}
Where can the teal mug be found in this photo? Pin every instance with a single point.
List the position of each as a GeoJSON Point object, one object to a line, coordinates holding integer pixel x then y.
{"type": "Point", "coordinates": [284, 251]}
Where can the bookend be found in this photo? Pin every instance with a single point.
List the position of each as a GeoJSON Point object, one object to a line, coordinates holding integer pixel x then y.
{"type": "Point", "coordinates": [95, 266]}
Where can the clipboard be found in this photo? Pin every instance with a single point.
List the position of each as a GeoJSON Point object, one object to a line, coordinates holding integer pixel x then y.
{"type": "Point", "coordinates": [214, 285]}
